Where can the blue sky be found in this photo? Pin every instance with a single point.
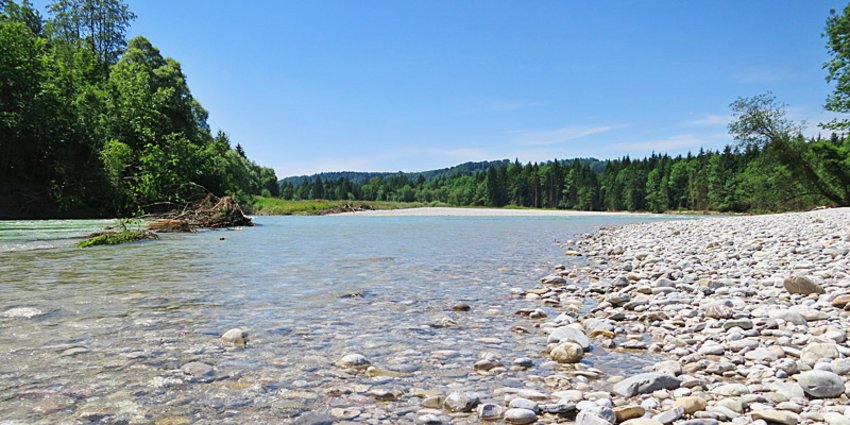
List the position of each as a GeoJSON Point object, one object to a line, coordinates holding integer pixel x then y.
{"type": "Point", "coordinates": [309, 86]}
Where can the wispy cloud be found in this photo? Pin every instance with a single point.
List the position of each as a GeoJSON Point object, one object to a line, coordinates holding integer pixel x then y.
{"type": "Point", "coordinates": [461, 154]}
{"type": "Point", "coordinates": [561, 135]}
{"type": "Point", "coordinates": [711, 119]}
{"type": "Point", "coordinates": [673, 143]}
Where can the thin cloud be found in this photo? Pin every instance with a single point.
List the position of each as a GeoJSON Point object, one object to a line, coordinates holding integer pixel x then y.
{"type": "Point", "coordinates": [711, 119]}
{"type": "Point", "coordinates": [663, 145]}
{"type": "Point", "coordinates": [461, 154]}
{"type": "Point", "coordinates": [561, 135]}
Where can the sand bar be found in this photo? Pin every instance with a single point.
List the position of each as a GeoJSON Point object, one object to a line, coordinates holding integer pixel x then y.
{"type": "Point", "coordinates": [480, 212]}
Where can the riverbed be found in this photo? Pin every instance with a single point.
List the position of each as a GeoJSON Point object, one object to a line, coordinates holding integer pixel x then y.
{"type": "Point", "coordinates": [103, 335]}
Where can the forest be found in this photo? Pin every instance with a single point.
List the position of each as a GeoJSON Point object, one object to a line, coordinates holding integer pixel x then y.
{"type": "Point", "coordinates": [93, 124]}
{"type": "Point", "coordinates": [746, 178]}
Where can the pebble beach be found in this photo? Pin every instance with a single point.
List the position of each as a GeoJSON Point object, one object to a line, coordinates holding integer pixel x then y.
{"type": "Point", "coordinates": [747, 317]}
{"type": "Point", "coordinates": [688, 321]}
{"type": "Point", "coordinates": [748, 314]}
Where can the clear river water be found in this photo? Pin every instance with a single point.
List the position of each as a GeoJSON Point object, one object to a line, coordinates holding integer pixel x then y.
{"type": "Point", "coordinates": [100, 335]}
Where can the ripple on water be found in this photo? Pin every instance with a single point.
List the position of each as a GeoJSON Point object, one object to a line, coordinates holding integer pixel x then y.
{"type": "Point", "coordinates": [121, 322]}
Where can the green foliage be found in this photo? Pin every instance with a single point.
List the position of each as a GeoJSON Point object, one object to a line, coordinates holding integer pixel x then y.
{"type": "Point", "coordinates": [101, 25]}
{"type": "Point", "coordinates": [96, 128]}
{"type": "Point", "coordinates": [752, 177]}
{"type": "Point", "coordinates": [116, 238]}
{"type": "Point", "coordinates": [838, 67]}
{"type": "Point", "coordinates": [262, 205]}
{"type": "Point", "coordinates": [357, 177]}
{"type": "Point", "coordinates": [819, 166]}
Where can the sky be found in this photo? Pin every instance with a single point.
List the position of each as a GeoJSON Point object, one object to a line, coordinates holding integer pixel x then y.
{"type": "Point", "coordinates": [413, 85]}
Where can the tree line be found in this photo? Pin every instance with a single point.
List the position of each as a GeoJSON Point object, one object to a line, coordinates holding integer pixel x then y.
{"type": "Point", "coordinates": [736, 179]}
{"type": "Point", "coordinates": [93, 124]}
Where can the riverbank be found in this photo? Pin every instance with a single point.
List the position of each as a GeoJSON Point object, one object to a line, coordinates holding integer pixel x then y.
{"type": "Point", "coordinates": [483, 212]}
{"type": "Point", "coordinates": [747, 312]}
{"type": "Point", "coordinates": [259, 205]}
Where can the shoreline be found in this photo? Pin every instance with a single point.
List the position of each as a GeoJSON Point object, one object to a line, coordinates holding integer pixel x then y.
{"type": "Point", "coordinates": [488, 212]}
{"type": "Point", "coordinates": [750, 314]}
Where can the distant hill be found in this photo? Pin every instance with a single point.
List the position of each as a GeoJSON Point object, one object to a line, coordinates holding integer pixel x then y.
{"type": "Point", "coordinates": [360, 177]}
{"type": "Point", "coordinates": [465, 169]}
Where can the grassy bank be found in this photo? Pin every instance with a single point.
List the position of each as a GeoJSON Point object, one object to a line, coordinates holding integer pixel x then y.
{"type": "Point", "coordinates": [261, 205]}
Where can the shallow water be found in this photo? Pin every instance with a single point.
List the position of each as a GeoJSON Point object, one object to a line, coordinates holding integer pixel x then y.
{"type": "Point", "coordinates": [119, 322]}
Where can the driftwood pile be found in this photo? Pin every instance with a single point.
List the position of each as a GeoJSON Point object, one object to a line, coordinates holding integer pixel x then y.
{"type": "Point", "coordinates": [210, 213]}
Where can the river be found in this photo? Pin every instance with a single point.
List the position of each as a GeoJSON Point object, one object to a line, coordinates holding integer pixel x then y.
{"type": "Point", "coordinates": [99, 335]}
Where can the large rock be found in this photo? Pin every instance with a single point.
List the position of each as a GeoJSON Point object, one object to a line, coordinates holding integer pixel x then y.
{"type": "Point", "coordinates": [691, 404]}
{"type": "Point", "coordinates": [731, 390]}
{"type": "Point", "coordinates": [567, 352]}
{"type": "Point", "coordinates": [461, 402]}
{"type": "Point", "coordinates": [783, 417]}
{"type": "Point", "coordinates": [569, 333]}
{"type": "Point", "coordinates": [835, 418]}
{"type": "Point", "coordinates": [841, 300]}
{"type": "Point", "coordinates": [524, 403]}
{"type": "Point", "coordinates": [719, 312]}
{"type": "Point", "coordinates": [490, 412]}
{"type": "Point", "coordinates": [788, 316]}
{"type": "Point", "coordinates": [235, 336]}
{"type": "Point", "coordinates": [553, 280]}
{"type": "Point", "coordinates": [596, 416]}
{"type": "Point", "coordinates": [520, 416]}
{"type": "Point", "coordinates": [669, 416]}
{"type": "Point", "coordinates": [354, 361]}
{"type": "Point", "coordinates": [815, 351]}
{"type": "Point", "coordinates": [646, 383]}
{"type": "Point", "coordinates": [802, 285]}
{"type": "Point", "coordinates": [624, 413]}
{"type": "Point", "coordinates": [821, 384]}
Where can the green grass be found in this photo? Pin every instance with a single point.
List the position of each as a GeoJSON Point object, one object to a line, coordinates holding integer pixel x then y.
{"type": "Point", "coordinates": [261, 205]}
{"type": "Point", "coordinates": [116, 238]}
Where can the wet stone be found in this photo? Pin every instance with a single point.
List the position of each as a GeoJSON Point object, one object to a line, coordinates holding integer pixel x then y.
{"type": "Point", "coordinates": [461, 401]}
{"type": "Point", "coordinates": [235, 336]}
{"type": "Point", "coordinates": [520, 416]}
{"type": "Point", "coordinates": [821, 384]}
{"type": "Point", "coordinates": [646, 383]}
{"type": "Point", "coordinates": [354, 361]}
{"type": "Point", "coordinates": [197, 369]}
{"type": "Point", "coordinates": [802, 285]}
{"type": "Point", "coordinates": [490, 412]}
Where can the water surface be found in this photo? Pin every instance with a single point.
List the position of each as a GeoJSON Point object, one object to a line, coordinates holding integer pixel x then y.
{"type": "Point", "coordinates": [119, 322]}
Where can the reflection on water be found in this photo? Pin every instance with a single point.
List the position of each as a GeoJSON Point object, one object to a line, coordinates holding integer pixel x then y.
{"type": "Point", "coordinates": [26, 235]}
{"type": "Point", "coordinates": [101, 334]}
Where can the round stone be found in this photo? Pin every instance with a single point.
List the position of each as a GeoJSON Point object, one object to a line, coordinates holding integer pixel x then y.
{"type": "Point", "coordinates": [567, 352]}
{"type": "Point", "coordinates": [235, 336]}
{"type": "Point", "coordinates": [821, 384]}
{"type": "Point", "coordinates": [520, 416]}
{"type": "Point", "coordinates": [354, 361]}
